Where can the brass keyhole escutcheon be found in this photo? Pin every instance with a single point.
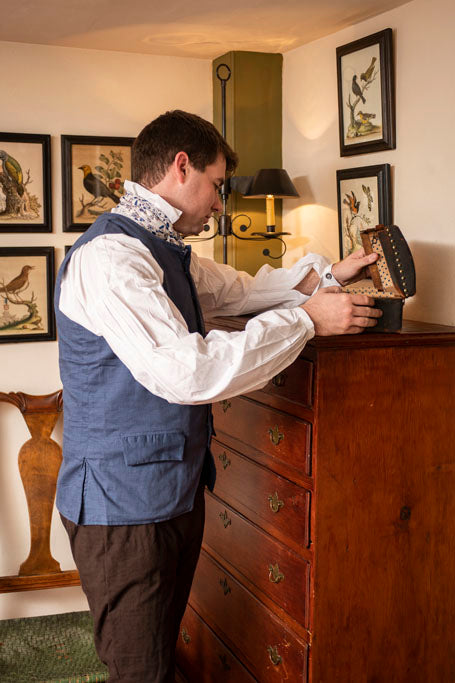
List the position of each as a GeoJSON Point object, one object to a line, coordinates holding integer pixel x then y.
{"type": "Point", "coordinates": [275, 503]}
{"type": "Point", "coordinates": [275, 576]}
{"type": "Point", "coordinates": [225, 519]}
{"type": "Point", "coordinates": [225, 586]}
{"type": "Point", "coordinates": [225, 405]}
{"type": "Point", "coordinates": [275, 435]}
{"type": "Point", "coordinates": [185, 637]}
{"type": "Point", "coordinates": [224, 460]}
{"type": "Point", "coordinates": [273, 654]}
{"type": "Point", "coordinates": [280, 379]}
{"type": "Point", "coordinates": [405, 513]}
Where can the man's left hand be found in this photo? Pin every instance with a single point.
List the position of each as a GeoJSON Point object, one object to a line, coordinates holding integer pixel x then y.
{"type": "Point", "coordinates": [354, 267]}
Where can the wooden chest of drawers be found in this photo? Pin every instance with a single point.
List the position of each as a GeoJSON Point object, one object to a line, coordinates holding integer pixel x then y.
{"type": "Point", "coordinates": [329, 551]}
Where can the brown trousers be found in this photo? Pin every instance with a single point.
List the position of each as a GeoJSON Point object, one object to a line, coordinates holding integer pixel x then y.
{"type": "Point", "coordinates": [137, 579]}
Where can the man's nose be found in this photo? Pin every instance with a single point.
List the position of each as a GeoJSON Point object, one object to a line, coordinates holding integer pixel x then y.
{"type": "Point", "coordinates": [217, 205]}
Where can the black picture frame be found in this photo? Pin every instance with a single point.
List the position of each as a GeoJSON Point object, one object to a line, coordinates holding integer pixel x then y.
{"type": "Point", "coordinates": [365, 76]}
{"type": "Point", "coordinates": [25, 183]}
{"type": "Point", "coordinates": [364, 200]}
{"type": "Point", "coordinates": [96, 153]}
{"type": "Point", "coordinates": [34, 318]}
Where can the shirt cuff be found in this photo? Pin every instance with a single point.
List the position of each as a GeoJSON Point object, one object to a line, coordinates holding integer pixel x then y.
{"type": "Point", "coordinates": [307, 322]}
{"type": "Point", "coordinates": [328, 279]}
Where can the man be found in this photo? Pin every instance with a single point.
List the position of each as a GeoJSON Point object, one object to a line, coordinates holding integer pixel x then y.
{"type": "Point", "coordinates": [139, 374]}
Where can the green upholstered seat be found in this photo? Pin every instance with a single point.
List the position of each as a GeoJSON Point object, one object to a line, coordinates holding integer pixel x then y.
{"type": "Point", "coordinates": [56, 648]}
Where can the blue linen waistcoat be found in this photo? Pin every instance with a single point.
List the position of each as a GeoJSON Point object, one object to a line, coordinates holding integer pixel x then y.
{"type": "Point", "coordinates": [129, 457]}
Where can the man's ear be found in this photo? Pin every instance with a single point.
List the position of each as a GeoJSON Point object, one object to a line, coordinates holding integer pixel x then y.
{"type": "Point", "coordinates": [181, 165]}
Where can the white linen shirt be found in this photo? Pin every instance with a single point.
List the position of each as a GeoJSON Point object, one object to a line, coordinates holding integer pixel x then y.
{"type": "Point", "coordinates": [113, 287]}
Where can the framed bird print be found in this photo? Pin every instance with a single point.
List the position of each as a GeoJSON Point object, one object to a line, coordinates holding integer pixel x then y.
{"type": "Point", "coordinates": [25, 183]}
{"type": "Point", "coordinates": [93, 172]}
{"type": "Point", "coordinates": [26, 292]}
{"type": "Point", "coordinates": [364, 201]}
{"type": "Point", "coordinates": [366, 94]}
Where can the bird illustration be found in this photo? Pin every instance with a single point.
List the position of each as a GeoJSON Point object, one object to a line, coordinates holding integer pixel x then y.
{"type": "Point", "coordinates": [13, 170]}
{"type": "Point", "coordinates": [365, 117]}
{"type": "Point", "coordinates": [19, 283]}
{"type": "Point", "coordinates": [351, 201]}
{"type": "Point", "coordinates": [95, 186]}
{"type": "Point", "coordinates": [367, 190]}
{"type": "Point", "coordinates": [369, 72]}
{"type": "Point", "coordinates": [356, 89]}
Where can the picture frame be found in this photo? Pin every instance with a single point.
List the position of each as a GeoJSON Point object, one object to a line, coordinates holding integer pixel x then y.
{"type": "Point", "coordinates": [94, 169]}
{"type": "Point", "coordinates": [26, 294]}
{"type": "Point", "coordinates": [25, 183]}
{"type": "Point", "coordinates": [364, 201]}
{"type": "Point", "coordinates": [366, 94]}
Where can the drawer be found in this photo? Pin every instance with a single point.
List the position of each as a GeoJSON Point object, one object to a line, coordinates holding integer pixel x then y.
{"type": "Point", "coordinates": [203, 658]}
{"type": "Point", "coordinates": [272, 567]}
{"type": "Point", "coordinates": [267, 647]}
{"type": "Point", "coordinates": [278, 435]}
{"type": "Point", "coordinates": [271, 501]}
{"type": "Point", "coordinates": [295, 383]}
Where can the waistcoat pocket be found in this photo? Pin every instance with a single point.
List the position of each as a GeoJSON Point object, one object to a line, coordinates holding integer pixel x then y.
{"type": "Point", "coordinates": [140, 449]}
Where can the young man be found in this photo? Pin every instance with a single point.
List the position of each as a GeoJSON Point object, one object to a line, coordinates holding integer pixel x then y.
{"type": "Point", "coordinates": [139, 374]}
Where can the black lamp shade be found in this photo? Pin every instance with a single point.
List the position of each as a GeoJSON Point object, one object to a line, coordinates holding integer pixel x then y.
{"type": "Point", "coordinates": [274, 181]}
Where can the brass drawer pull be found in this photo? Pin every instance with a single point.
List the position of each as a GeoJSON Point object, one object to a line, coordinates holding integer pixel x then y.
{"type": "Point", "coordinates": [224, 517]}
{"type": "Point", "coordinates": [185, 637]}
{"type": "Point", "coordinates": [273, 654]}
{"type": "Point", "coordinates": [224, 662]}
{"type": "Point", "coordinates": [224, 459]}
{"type": "Point", "coordinates": [225, 405]}
{"type": "Point", "coordinates": [225, 586]}
{"type": "Point", "coordinates": [280, 379]}
{"type": "Point", "coordinates": [275, 503]}
{"type": "Point", "coordinates": [275, 435]}
{"type": "Point", "coordinates": [275, 576]}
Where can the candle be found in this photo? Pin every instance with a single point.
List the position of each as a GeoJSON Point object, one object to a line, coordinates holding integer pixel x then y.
{"type": "Point", "coordinates": [270, 207]}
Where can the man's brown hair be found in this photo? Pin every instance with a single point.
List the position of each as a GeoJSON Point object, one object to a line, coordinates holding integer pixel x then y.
{"type": "Point", "coordinates": [176, 131]}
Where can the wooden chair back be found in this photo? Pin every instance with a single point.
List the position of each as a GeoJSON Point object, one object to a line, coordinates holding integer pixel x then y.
{"type": "Point", "coordinates": [39, 462]}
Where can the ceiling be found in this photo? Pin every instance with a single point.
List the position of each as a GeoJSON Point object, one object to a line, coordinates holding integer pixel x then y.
{"type": "Point", "coordinates": [200, 28]}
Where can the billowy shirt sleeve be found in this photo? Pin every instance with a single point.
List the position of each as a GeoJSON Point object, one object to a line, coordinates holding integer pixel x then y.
{"type": "Point", "coordinates": [113, 287]}
{"type": "Point", "coordinates": [223, 290]}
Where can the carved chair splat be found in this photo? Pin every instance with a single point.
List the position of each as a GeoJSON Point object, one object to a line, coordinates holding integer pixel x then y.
{"type": "Point", "coordinates": [39, 461]}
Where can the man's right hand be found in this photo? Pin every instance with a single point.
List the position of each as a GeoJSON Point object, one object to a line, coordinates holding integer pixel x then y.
{"type": "Point", "coordinates": [335, 312]}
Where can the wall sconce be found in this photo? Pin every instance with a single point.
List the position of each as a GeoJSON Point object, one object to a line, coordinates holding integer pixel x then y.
{"type": "Point", "coordinates": [268, 183]}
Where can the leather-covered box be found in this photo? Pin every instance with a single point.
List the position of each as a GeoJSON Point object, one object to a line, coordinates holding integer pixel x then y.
{"type": "Point", "coordinates": [392, 276]}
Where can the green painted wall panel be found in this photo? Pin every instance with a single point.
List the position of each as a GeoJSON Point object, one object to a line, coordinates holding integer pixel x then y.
{"type": "Point", "coordinates": [253, 129]}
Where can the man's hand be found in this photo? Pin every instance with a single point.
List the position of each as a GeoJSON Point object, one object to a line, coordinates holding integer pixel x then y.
{"type": "Point", "coordinates": [353, 267]}
{"type": "Point", "coordinates": [334, 312]}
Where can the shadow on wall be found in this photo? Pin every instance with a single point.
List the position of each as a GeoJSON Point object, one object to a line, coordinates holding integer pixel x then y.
{"type": "Point", "coordinates": [306, 196]}
{"type": "Point", "coordinates": [313, 226]}
{"type": "Point", "coordinates": [435, 278]}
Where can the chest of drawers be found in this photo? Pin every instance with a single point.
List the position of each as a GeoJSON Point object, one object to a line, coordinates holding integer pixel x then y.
{"type": "Point", "coordinates": [329, 551]}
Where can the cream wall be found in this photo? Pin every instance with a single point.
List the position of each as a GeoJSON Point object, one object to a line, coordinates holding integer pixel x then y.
{"type": "Point", "coordinates": [77, 92]}
{"type": "Point", "coordinates": [85, 92]}
{"type": "Point", "coordinates": [422, 164]}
